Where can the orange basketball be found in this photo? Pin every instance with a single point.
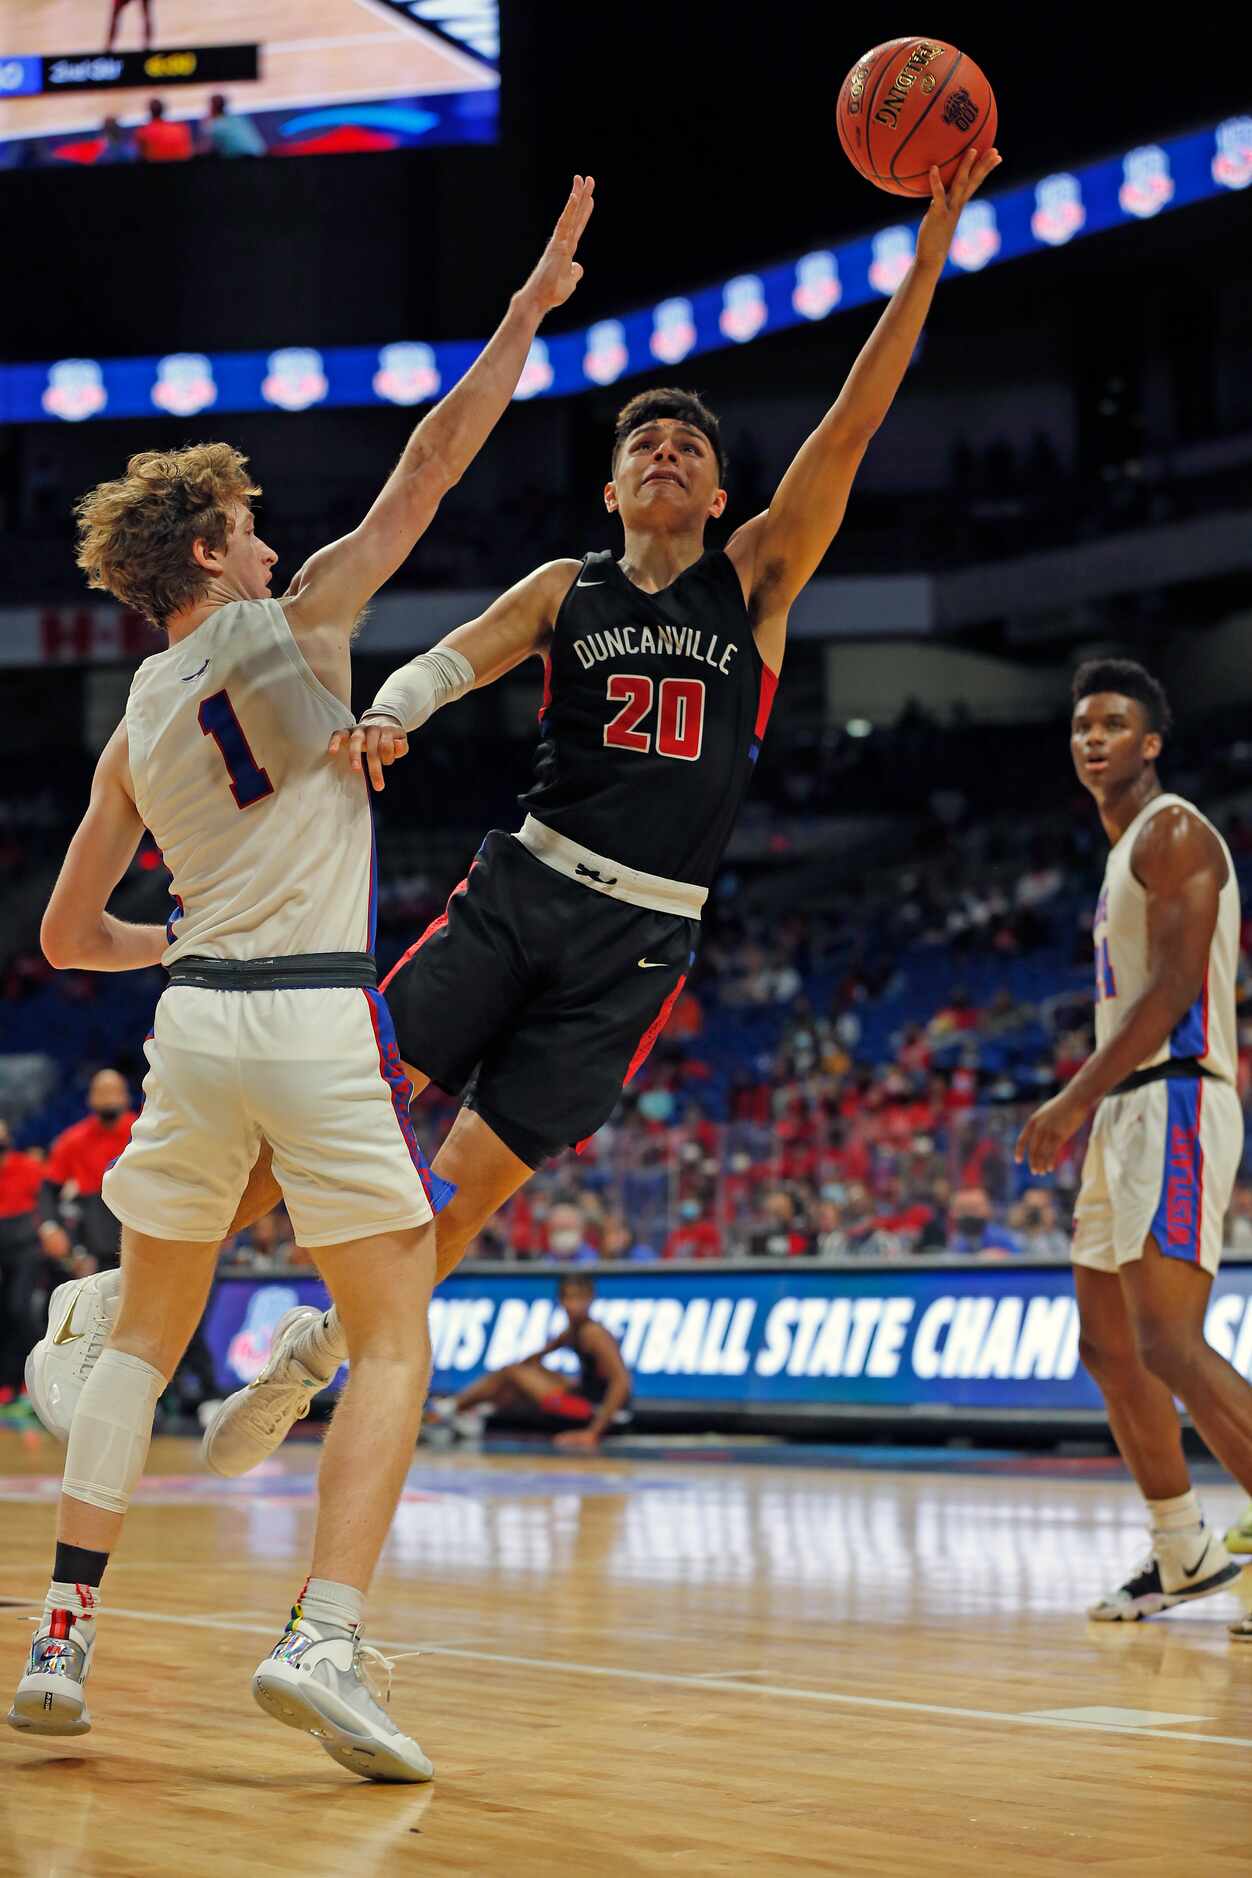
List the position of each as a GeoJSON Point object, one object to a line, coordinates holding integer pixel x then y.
{"type": "Point", "coordinates": [908, 104]}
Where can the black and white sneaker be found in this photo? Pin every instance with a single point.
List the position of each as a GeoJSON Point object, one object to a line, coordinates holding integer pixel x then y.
{"type": "Point", "coordinates": [1197, 1567]}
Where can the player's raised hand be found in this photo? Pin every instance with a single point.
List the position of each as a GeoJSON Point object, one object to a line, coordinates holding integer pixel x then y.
{"type": "Point", "coordinates": [934, 237]}
{"type": "Point", "coordinates": [558, 273]}
{"type": "Point", "coordinates": [371, 748]}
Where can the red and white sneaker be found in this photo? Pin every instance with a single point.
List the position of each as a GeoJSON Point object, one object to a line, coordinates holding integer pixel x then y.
{"type": "Point", "coordinates": [51, 1697]}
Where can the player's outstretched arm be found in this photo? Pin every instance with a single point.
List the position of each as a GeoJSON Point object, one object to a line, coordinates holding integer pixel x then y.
{"type": "Point", "coordinates": [77, 933]}
{"type": "Point", "coordinates": [1179, 863]}
{"type": "Point", "coordinates": [515, 627]}
{"type": "Point", "coordinates": [778, 552]}
{"type": "Point", "coordinates": [335, 584]}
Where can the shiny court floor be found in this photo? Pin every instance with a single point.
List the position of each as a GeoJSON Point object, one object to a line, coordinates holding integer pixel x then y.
{"type": "Point", "coordinates": [645, 1666]}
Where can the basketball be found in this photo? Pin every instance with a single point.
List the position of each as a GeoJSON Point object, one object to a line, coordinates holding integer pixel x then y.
{"type": "Point", "coordinates": [911, 103]}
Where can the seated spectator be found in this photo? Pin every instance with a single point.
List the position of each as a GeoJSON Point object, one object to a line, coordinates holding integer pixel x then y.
{"type": "Point", "coordinates": [588, 1404]}
{"type": "Point", "coordinates": [161, 140]}
{"type": "Point", "coordinates": [567, 1235]}
{"type": "Point", "coordinates": [696, 1236]}
{"type": "Point", "coordinates": [781, 1234]}
{"type": "Point", "coordinates": [973, 1231]}
{"type": "Point", "coordinates": [618, 1241]}
{"type": "Point", "coordinates": [1239, 1222]}
{"type": "Point", "coordinates": [224, 135]}
{"type": "Point", "coordinates": [1038, 1229]}
{"type": "Point", "coordinates": [116, 146]}
{"type": "Point", "coordinates": [830, 1240]}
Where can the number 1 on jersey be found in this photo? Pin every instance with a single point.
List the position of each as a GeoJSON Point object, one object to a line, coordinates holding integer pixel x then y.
{"type": "Point", "coordinates": [249, 783]}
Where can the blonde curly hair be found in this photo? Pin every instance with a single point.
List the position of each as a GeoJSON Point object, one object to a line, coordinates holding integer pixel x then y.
{"type": "Point", "coordinates": [135, 535]}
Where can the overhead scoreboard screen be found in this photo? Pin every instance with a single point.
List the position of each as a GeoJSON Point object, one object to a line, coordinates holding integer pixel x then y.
{"type": "Point", "coordinates": [300, 77]}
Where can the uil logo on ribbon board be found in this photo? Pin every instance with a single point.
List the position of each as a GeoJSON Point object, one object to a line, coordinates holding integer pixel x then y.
{"type": "Point", "coordinates": [407, 374]}
{"type": "Point", "coordinates": [1059, 211]}
{"type": "Point", "coordinates": [977, 238]}
{"type": "Point", "coordinates": [75, 390]}
{"type": "Point", "coordinates": [607, 356]}
{"type": "Point", "coordinates": [249, 1349]}
{"type": "Point", "coordinates": [673, 330]}
{"type": "Point", "coordinates": [184, 384]}
{"type": "Point", "coordinates": [536, 373]}
{"type": "Point", "coordinates": [1232, 165]}
{"type": "Point", "coordinates": [296, 378]}
{"type": "Point", "coordinates": [893, 257]}
{"type": "Point", "coordinates": [818, 287]}
{"type": "Point", "coordinates": [744, 311]}
{"type": "Point", "coordinates": [1147, 185]}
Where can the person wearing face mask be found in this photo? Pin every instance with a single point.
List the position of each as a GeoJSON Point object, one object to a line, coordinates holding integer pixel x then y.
{"type": "Point", "coordinates": [975, 1233]}
{"type": "Point", "coordinates": [21, 1177]}
{"type": "Point", "coordinates": [567, 1236]}
{"type": "Point", "coordinates": [80, 1158]}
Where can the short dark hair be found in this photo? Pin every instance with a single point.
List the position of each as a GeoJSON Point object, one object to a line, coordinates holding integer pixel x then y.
{"type": "Point", "coordinates": [575, 1281]}
{"type": "Point", "coordinates": [1131, 680]}
{"type": "Point", "coordinates": [668, 401]}
{"type": "Point", "coordinates": [156, 107]}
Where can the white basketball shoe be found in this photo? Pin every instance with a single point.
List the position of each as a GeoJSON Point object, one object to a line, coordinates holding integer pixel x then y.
{"type": "Point", "coordinates": [317, 1683]}
{"type": "Point", "coordinates": [80, 1317]}
{"type": "Point", "coordinates": [252, 1422]}
{"type": "Point", "coordinates": [51, 1697]}
{"type": "Point", "coordinates": [1193, 1566]}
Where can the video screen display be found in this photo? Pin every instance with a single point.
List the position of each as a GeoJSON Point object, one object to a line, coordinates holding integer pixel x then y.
{"type": "Point", "coordinates": [97, 82]}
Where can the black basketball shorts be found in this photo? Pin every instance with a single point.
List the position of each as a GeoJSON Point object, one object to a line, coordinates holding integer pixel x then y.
{"type": "Point", "coordinates": [536, 999]}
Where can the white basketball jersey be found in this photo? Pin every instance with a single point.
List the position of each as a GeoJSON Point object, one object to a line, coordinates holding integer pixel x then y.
{"type": "Point", "coordinates": [269, 839]}
{"type": "Point", "coordinates": [1207, 1029]}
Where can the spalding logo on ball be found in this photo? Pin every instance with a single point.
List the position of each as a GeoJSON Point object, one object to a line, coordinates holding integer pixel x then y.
{"type": "Point", "coordinates": [911, 104]}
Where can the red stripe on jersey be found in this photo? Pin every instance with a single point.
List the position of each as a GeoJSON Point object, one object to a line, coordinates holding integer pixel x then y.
{"type": "Point", "coordinates": [769, 685]}
{"type": "Point", "coordinates": [653, 1031]}
{"type": "Point", "coordinates": [436, 925]}
{"type": "Point", "coordinates": [546, 706]}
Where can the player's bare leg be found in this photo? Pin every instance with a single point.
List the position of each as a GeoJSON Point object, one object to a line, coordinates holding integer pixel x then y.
{"type": "Point", "coordinates": [1186, 1559]}
{"type": "Point", "coordinates": [315, 1679]}
{"type": "Point", "coordinates": [1167, 1299]}
{"type": "Point", "coordinates": [381, 1289]}
{"type": "Point", "coordinates": [1140, 1408]}
{"type": "Point", "coordinates": [165, 1285]}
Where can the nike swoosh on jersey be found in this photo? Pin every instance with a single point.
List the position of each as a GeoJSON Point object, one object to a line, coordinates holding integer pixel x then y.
{"type": "Point", "coordinates": [590, 583]}
{"type": "Point", "coordinates": [188, 676]}
{"type": "Point", "coordinates": [653, 965]}
{"type": "Point", "coordinates": [67, 1333]}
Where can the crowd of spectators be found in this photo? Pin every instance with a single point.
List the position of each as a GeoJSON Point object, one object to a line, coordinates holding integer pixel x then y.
{"type": "Point", "coordinates": [158, 138]}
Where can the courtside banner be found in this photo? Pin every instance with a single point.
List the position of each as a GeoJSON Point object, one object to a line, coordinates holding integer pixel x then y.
{"type": "Point", "coordinates": [971, 1337]}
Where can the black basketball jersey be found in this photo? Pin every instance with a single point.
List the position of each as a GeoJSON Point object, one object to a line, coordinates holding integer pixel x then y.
{"type": "Point", "coordinates": [654, 709]}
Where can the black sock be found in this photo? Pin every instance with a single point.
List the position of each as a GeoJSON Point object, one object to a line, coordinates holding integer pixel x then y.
{"type": "Point", "coordinates": [78, 1565]}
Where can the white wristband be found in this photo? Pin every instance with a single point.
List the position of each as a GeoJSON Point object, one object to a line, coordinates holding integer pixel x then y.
{"type": "Point", "coordinates": [422, 687]}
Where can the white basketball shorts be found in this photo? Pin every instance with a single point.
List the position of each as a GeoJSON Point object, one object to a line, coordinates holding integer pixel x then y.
{"type": "Point", "coordinates": [1161, 1162]}
{"type": "Point", "coordinates": [316, 1074]}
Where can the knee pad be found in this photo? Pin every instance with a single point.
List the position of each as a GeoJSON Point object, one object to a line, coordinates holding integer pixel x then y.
{"type": "Point", "coordinates": [111, 1430]}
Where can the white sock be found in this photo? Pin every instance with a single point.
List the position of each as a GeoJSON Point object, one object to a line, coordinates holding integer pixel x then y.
{"type": "Point", "coordinates": [329, 1605]}
{"type": "Point", "coordinates": [81, 1601]}
{"type": "Point", "coordinates": [1177, 1518]}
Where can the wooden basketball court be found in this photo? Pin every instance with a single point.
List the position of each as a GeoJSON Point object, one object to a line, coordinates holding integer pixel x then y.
{"type": "Point", "coordinates": [313, 52]}
{"type": "Point", "coordinates": [645, 1667]}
